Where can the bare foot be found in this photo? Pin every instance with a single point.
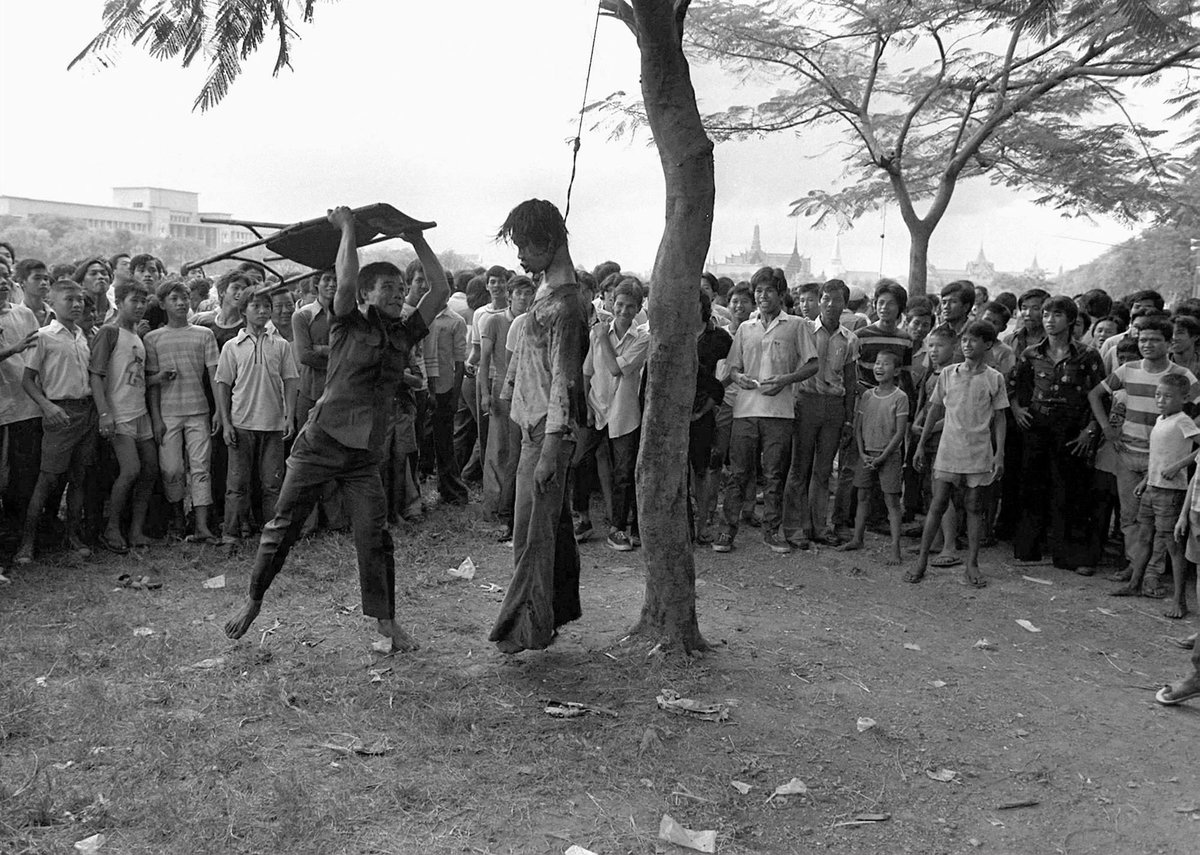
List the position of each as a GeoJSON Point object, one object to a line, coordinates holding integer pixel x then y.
{"type": "Point", "coordinates": [140, 540]}
{"type": "Point", "coordinates": [894, 560]}
{"type": "Point", "coordinates": [1177, 610]}
{"type": "Point", "coordinates": [237, 625]}
{"type": "Point", "coordinates": [402, 642]}
{"type": "Point", "coordinates": [972, 577]}
{"type": "Point", "coordinates": [1125, 591]}
{"type": "Point", "coordinates": [915, 575]}
{"type": "Point", "coordinates": [1179, 691]}
{"type": "Point", "coordinates": [851, 546]}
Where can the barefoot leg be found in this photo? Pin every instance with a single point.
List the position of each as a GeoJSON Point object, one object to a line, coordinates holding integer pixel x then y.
{"type": "Point", "coordinates": [237, 625]}
{"type": "Point", "coordinates": [402, 642]}
{"type": "Point", "coordinates": [852, 545]}
{"type": "Point", "coordinates": [1129, 590]}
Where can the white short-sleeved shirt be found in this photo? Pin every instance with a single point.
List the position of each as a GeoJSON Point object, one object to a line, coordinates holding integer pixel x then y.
{"type": "Point", "coordinates": [613, 399]}
{"type": "Point", "coordinates": [971, 399]}
{"type": "Point", "coordinates": [255, 367]}
{"type": "Point", "coordinates": [881, 415]}
{"type": "Point", "coordinates": [16, 322]}
{"type": "Point", "coordinates": [1171, 438]}
{"type": "Point", "coordinates": [60, 357]}
{"type": "Point", "coordinates": [768, 350]}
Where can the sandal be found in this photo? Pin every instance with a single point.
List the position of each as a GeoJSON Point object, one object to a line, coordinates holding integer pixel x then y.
{"type": "Point", "coordinates": [115, 548]}
{"type": "Point", "coordinates": [210, 540]}
{"type": "Point", "coordinates": [913, 576]}
{"type": "Point", "coordinates": [946, 561]}
{"type": "Point", "coordinates": [1168, 697]}
{"type": "Point", "coordinates": [973, 581]}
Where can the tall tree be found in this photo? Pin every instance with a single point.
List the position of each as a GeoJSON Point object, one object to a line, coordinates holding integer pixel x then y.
{"type": "Point", "coordinates": [228, 31]}
{"type": "Point", "coordinates": [1029, 93]}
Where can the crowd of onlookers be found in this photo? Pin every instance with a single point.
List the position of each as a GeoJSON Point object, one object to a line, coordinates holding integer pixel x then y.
{"type": "Point", "coordinates": [144, 405]}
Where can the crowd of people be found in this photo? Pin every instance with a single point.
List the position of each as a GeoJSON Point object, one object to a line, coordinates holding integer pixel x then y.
{"type": "Point", "coordinates": [137, 405]}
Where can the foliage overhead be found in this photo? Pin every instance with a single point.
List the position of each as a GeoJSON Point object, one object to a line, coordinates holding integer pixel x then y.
{"type": "Point", "coordinates": [1029, 93]}
{"type": "Point", "coordinates": [224, 32]}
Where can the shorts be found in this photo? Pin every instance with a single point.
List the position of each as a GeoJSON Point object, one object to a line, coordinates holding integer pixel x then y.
{"type": "Point", "coordinates": [969, 480]}
{"type": "Point", "coordinates": [1160, 508]}
{"type": "Point", "coordinates": [139, 429]}
{"type": "Point", "coordinates": [888, 475]}
{"type": "Point", "coordinates": [74, 444]}
{"type": "Point", "coordinates": [1192, 543]}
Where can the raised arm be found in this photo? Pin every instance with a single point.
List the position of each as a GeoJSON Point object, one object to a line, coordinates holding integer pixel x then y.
{"type": "Point", "coordinates": [439, 289]}
{"type": "Point", "coordinates": [345, 300]}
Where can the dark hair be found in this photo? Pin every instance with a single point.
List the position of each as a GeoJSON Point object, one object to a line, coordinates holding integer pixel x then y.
{"type": "Point", "coordinates": [893, 354]}
{"type": "Point", "coordinates": [711, 281]}
{"type": "Point", "coordinates": [1009, 299]}
{"type": "Point", "coordinates": [1062, 304]}
{"type": "Point", "coordinates": [919, 305]}
{"type": "Point", "coordinates": [1189, 306]}
{"type": "Point", "coordinates": [630, 286]}
{"type": "Point", "coordinates": [705, 308]}
{"type": "Point", "coordinates": [82, 268]}
{"type": "Point", "coordinates": [586, 280]}
{"type": "Point", "coordinates": [981, 330]}
{"type": "Point", "coordinates": [62, 270]}
{"type": "Point", "coordinates": [144, 259]}
{"type": "Point", "coordinates": [964, 288]}
{"type": "Point", "coordinates": [829, 287]}
{"type": "Point", "coordinates": [60, 285]}
{"type": "Point", "coordinates": [372, 273]}
{"type": "Point", "coordinates": [477, 292]}
{"type": "Point", "coordinates": [942, 331]}
{"type": "Point", "coordinates": [1128, 347]}
{"type": "Point", "coordinates": [1034, 294]}
{"type": "Point", "coordinates": [725, 285]}
{"type": "Point", "coordinates": [1146, 294]}
{"type": "Point", "coordinates": [743, 289]}
{"type": "Point", "coordinates": [1120, 314]}
{"type": "Point", "coordinates": [497, 272]}
{"type": "Point", "coordinates": [1096, 303]}
{"type": "Point", "coordinates": [765, 276]}
{"type": "Point", "coordinates": [1153, 323]}
{"type": "Point", "coordinates": [171, 284]}
{"type": "Point", "coordinates": [982, 288]}
{"type": "Point", "coordinates": [520, 281]}
{"type": "Point", "coordinates": [998, 308]}
{"type": "Point", "coordinates": [895, 289]}
{"type": "Point", "coordinates": [263, 295]}
{"type": "Point", "coordinates": [1188, 324]}
{"type": "Point", "coordinates": [26, 266]}
{"type": "Point", "coordinates": [127, 287]}
{"type": "Point", "coordinates": [605, 269]}
{"type": "Point", "coordinates": [113, 259]}
{"type": "Point", "coordinates": [247, 266]}
{"type": "Point", "coordinates": [414, 267]}
{"type": "Point", "coordinates": [11, 250]}
{"type": "Point", "coordinates": [228, 278]}
{"type": "Point", "coordinates": [1178, 382]}
{"type": "Point", "coordinates": [534, 222]}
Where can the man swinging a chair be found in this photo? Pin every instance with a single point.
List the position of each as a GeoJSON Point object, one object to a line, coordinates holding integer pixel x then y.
{"type": "Point", "coordinates": [369, 345]}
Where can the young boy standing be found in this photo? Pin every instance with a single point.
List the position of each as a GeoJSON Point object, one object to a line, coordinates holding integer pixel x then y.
{"type": "Point", "coordinates": [56, 378]}
{"type": "Point", "coordinates": [256, 400]}
{"type": "Point", "coordinates": [369, 349]}
{"type": "Point", "coordinates": [1163, 490]}
{"type": "Point", "coordinates": [118, 379]}
{"type": "Point", "coordinates": [970, 396]}
{"type": "Point", "coordinates": [180, 355]}
{"type": "Point", "coordinates": [879, 428]}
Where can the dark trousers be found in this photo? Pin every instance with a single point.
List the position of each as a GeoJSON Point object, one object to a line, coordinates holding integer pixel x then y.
{"type": "Point", "coordinates": [544, 591]}
{"type": "Point", "coordinates": [1011, 480]}
{"type": "Point", "coordinates": [1055, 496]}
{"type": "Point", "coordinates": [512, 460]}
{"type": "Point", "coordinates": [450, 482]}
{"type": "Point", "coordinates": [318, 459]}
{"type": "Point", "coordinates": [22, 442]}
{"type": "Point", "coordinates": [256, 451]}
{"type": "Point", "coordinates": [818, 430]}
{"type": "Point", "coordinates": [752, 437]}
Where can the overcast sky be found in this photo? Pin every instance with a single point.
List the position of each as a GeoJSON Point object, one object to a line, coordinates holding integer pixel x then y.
{"type": "Point", "coordinates": [451, 111]}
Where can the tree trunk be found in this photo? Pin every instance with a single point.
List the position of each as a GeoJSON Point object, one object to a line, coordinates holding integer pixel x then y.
{"type": "Point", "coordinates": [669, 610]}
{"type": "Point", "coordinates": [918, 258]}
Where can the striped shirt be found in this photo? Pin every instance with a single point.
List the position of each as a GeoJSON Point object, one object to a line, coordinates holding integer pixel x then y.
{"type": "Point", "coordinates": [187, 351]}
{"type": "Point", "coordinates": [873, 340]}
{"type": "Point", "coordinates": [1140, 410]}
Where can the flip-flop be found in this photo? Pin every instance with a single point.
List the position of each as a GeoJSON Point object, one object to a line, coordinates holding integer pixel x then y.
{"type": "Point", "coordinates": [977, 582]}
{"type": "Point", "coordinates": [115, 548]}
{"type": "Point", "coordinates": [211, 540]}
{"type": "Point", "coordinates": [946, 561]}
{"type": "Point", "coordinates": [1162, 696]}
{"type": "Point", "coordinates": [913, 577]}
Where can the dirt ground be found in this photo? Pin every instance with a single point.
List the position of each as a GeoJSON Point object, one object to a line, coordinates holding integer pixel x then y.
{"type": "Point", "coordinates": [127, 713]}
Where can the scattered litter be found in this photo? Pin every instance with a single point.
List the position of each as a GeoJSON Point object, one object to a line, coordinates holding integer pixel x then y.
{"type": "Point", "coordinates": [1021, 804]}
{"type": "Point", "coordinates": [794, 787]}
{"type": "Point", "coordinates": [492, 589]}
{"type": "Point", "coordinates": [571, 709]}
{"type": "Point", "coordinates": [945, 776]}
{"type": "Point", "coordinates": [741, 786]}
{"type": "Point", "coordinates": [90, 845]}
{"type": "Point", "coordinates": [915, 647]}
{"type": "Point", "coordinates": [996, 823]}
{"type": "Point", "coordinates": [984, 644]}
{"type": "Point", "coordinates": [1026, 625]}
{"type": "Point", "coordinates": [270, 631]}
{"type": "Point", "coordinates": [865, 724]}
{"type": "Point", "coordinates": [383, 645]}
{"type": "Point", "coordinates": [1037, 581]}
{"type": "Point", "coordinates": [939, 684]}
{"type": "Point", "coordinates": [374, 748]}
{"type": "Point", "coordinates": [864, 819]}
{"type": "Point", "coordinates": [143, 632]}
{"type": "Point", "coordinates": [578, 850]}
{"type": "Point", "coordinates": [206, 664]}
{"type": "Point", "coordinates": [377, 674]}
{"type": "Point", "coordinates": [1188, 809]}
{"type": "Point", "coordinates": [4, 580]}
{"type": "Point", "coordinates": [62, 767]}
{"type": "Point", "coordinates": [670, 701]}
{"type": "Point", "coordinates": [40, 681]}
{"type": "Point", "coordinates": [215, 582]}
{"type": "Point", "coordinates": [974, 841]}
{"type": "Point", "coordinates": [466, 570]}
{"type": "Point", "coordinates": [672, 832]}
{"type": "Point", "coordinates": [1108, 612]}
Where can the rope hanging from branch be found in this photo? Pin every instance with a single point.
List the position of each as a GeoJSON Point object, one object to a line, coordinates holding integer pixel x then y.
{"type": "Point", "coordinates": [578, 141]}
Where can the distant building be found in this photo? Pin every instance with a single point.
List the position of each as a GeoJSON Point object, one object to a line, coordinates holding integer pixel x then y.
{"type": "Point", "coordinates": [151, 211]}
{"type": "Point", "coordinates": [796, 267]}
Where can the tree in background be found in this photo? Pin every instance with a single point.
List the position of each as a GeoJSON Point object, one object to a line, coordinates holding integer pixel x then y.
{"type": "Point", "coordinates": [927, 93]}
{"type": "Point", "coordinates": [231, 30]}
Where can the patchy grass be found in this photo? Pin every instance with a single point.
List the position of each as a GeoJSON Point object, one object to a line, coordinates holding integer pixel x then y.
{"type": "Point", "coordinates": [102, 730]}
